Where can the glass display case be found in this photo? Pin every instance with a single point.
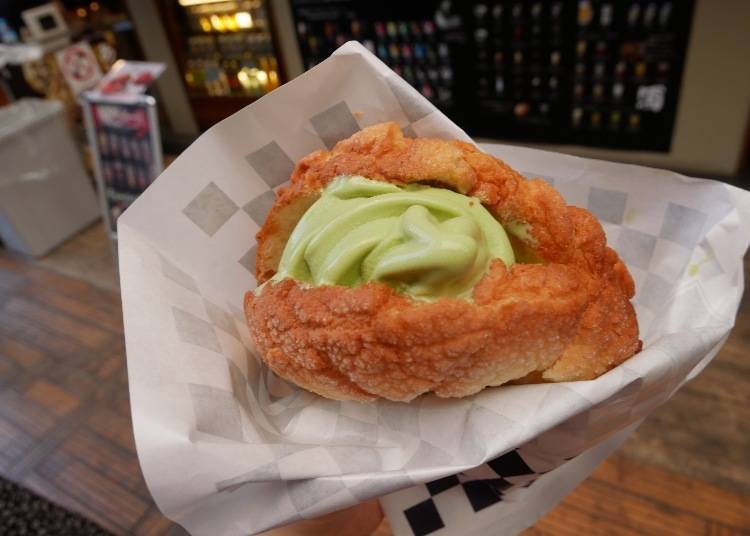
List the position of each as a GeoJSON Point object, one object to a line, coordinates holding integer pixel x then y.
{"type": "Point", "coordinates": [226, 52]}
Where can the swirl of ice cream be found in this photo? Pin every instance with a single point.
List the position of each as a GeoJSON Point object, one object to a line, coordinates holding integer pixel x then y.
{"type": "Point", "coordinates": [423, 241]}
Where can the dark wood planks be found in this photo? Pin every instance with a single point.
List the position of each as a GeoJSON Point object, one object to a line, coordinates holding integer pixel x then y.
{"type": "Point", "coordinates": [65, 428]}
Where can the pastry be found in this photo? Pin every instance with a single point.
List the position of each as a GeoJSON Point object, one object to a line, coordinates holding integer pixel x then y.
{"type": "Point", "coordinates": [392, 267]}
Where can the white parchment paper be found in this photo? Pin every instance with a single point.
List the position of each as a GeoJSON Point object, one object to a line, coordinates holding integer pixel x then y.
{"type": "Point", "coordinates": [228, 448]}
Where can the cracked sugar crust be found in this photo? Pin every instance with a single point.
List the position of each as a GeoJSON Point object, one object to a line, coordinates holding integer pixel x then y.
{"type": "Point", "coordinates": [565, 317]}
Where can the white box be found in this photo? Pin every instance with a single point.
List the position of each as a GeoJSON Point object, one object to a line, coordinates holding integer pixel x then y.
{"type": "Point", "coordinates": [45, 193]}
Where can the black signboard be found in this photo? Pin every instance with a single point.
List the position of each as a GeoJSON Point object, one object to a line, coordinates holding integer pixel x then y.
{"type": "Point", "coordinates": [591, 72]}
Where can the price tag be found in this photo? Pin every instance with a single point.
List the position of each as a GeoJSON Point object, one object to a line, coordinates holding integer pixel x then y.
{"type": "Point", "coordinates": [651, 98]}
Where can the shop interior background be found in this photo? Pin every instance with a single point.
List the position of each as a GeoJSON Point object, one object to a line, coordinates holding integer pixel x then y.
{"type": "Point", "coordinates": [98, 97]}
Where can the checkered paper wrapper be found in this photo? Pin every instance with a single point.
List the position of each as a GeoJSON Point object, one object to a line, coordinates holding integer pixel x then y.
{"type": "Point", "coordinates": [228, 448]}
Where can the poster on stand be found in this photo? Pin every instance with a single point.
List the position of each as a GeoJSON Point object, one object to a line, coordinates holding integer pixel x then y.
{"type": "Point", "coordinates": [126, 148]}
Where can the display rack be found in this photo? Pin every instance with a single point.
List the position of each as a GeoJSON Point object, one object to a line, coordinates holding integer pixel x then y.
{"type": "Point", "coordinates": [125, 143]}
{"type": "Point", "coordinates": [587, 72]}
{"type": "Point", "coordinates": [226, 52]}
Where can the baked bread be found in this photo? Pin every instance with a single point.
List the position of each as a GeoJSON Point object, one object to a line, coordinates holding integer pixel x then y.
{"type": "Point", "coordinates": [561, 312]}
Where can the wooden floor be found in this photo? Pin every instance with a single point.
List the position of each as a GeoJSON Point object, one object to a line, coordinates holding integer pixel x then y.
{"type": "Point", "coordinates": [87, 256]}
{"type": "Point", "coordinates": [65, 429]}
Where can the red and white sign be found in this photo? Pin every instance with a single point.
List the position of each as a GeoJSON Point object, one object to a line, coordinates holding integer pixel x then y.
{"type": "Point", "coordinates": [79, 66]}
{"type": "Point", "coordinates": [127, 79]}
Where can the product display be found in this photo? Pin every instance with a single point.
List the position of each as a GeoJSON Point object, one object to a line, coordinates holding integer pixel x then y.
{"type": "Point", "coordinates": [124, 134]}
{"type": "Point", "coordinates": [391, 267]}
{"type": "Point", "coordinates": [227, 54]}
{"type": "Point", "coordinates": [590, 72]}
{"type": "Point", "coordinates": [413, 48]}
{"type": "Point", "coordinates": [228, 49]}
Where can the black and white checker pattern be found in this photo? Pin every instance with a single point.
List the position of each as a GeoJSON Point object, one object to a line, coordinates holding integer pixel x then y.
{"type": "Point", "coordinates": [455, 498]}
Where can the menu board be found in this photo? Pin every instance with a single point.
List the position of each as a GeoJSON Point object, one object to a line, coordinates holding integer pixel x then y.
{"type": "Point", "coordinates": [404, 35]}
{"type": "Point", "coordinates": [591, 72]}
{"type": "Point", "coordinates": [125, 142]}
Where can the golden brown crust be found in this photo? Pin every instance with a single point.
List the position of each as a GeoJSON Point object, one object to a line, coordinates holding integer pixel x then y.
{"type": "Point", "coordinates": [569, 318]}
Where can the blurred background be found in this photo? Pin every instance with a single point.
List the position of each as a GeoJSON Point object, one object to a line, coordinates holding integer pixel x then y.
{"type": "Point", "coordinates": [97, 97]}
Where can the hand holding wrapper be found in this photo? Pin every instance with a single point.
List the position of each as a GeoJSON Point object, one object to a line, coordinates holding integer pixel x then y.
{"type": "Point", "coordinates": [227, 448]}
